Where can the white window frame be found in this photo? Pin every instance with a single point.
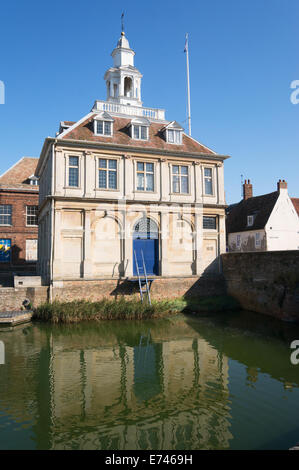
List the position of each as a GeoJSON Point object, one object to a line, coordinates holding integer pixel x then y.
{"type": "Point", "coordinates": [139, 132]}
{"type": "Point", "coordinates": [144, 173]}
{"type": "Point", "coordinates": [98, 158]}
{"type": "Point", "coordinates": [11, 209]}
{"type": "Point", "coordinates": [179, 174]}
{"type": "Point", "coordinates": [68, 166]}
{"type": "Point", "coordinates": [103, 134]}
{"type": "Point", "coordinates": [174, 131]}
{"type": "Point", "coordinates": [30, 215]}
{"type": "Point", "coordinates": [212, 180]}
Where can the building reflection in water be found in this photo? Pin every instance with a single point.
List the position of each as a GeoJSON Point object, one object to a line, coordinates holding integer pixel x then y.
{"type": "Point", "coordinates": [183, 383]}
{"type": "Point", "coordinates": [166, 391]}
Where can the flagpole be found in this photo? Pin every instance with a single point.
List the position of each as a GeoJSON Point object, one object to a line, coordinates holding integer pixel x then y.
{"type": "Point", "coordinates": [188, 83]}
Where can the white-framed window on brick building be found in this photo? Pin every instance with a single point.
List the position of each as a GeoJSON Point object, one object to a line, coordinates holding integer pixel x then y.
{"type": "Point", "coordinates": [31, 216]}
{"type": "Point", "coordinates": [5, 214]}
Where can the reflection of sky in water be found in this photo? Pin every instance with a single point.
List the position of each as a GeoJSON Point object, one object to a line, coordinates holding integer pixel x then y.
{"type": "Point", "coordinates": [184, 383]}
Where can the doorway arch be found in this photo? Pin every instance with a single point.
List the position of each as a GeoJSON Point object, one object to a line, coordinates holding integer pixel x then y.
{"type": "Point", "coordinates": [146, 241]}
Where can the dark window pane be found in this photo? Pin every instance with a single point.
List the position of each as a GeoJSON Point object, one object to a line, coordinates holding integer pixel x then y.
{"type": "Point", "coordinates": [112, 164]}
{"type": "Point", "coordinates": [102, 163]}
{"type": "Point", "coordinates": [73, 177]}
{"type": "Point", "coordinates": [99, 127]}
{"type": "Point", "coordinates": [184, 170]}
{"type": "Point", "coordinates": [175, 169]}
{"type": "Point", "coordinates": [208, 172]}
{"type": "Point", "coordinates": [149, 182]}
{"type": "Point", "coordinates": [112, 179]}
{"type": "Point", "coordinates": [176, 184]}
{"type": "Point", "coordinates": [74, 161]}
{"type": "Point", "coordinates": [140, 166]}
{"type": "Point", "coordinates": [209, 222]}
{"type": "Point", "coordinates": [102, 179]}
{"type": "Point", "coordinates": [136, 132]}
{"type": "Point", "coordinates": [150, 167]}
{"type": "Point", "coordinates": [184, 181]}
{"type": "Point", "coordinates": [107, 128]}
{"type": "Point", "coordinates": [143, 132]}
{"type": "Point", "coordinates": [208, 186]}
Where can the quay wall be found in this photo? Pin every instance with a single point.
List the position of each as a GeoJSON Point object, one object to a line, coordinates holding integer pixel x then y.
{"type": "Point", "coordinates": [93, 290]}
{"type": "Point", "coordinates": [264, 282]}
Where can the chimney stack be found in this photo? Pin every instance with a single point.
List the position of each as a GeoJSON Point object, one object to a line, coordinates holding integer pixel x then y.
{"type": "Point", "coordinates": [282, 185]}
{"type": "Point", "coordinates": [247, 190]}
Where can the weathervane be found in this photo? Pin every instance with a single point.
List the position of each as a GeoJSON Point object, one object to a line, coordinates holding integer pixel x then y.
{"type": "Point", "coordinates": [122, 23]}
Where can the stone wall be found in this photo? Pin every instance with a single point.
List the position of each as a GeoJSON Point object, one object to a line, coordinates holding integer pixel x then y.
{"type": "Point", "coordinates": [266, 282]}
{"type": "Point", "coordinates": [12, 298]}
{"type": "Point", "coordinates": [66, 291]}
{"type": "Point", "coordinates": [161, 288]}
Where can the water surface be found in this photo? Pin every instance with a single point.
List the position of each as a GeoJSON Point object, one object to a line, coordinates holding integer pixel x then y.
{"type": "Point", "coordinates": [218, 382]}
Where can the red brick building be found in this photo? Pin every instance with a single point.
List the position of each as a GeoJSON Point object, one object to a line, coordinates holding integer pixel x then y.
{"type": "Point", "coordinates": [18, 216]}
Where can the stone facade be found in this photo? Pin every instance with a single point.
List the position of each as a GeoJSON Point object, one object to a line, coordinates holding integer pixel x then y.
{"type": "Point", "coordinates": [88, 230]}
{"type": "Point", "coordinates": [266, 283]}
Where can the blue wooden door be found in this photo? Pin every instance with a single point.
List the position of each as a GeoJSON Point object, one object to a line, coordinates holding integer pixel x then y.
{"type": "Point", "coordinates": [150, 253]}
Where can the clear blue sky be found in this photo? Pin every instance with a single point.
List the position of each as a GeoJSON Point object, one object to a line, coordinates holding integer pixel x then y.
{"type": "Point", "coordinates": [243, 57]}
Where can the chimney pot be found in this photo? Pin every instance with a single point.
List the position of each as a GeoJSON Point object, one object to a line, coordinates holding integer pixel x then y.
{"type": "Point", "coordinates": [282, 185]}
{"type": "Point", "coordinates": [247, 190]}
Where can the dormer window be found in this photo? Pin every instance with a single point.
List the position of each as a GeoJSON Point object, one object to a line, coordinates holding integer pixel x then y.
{"type": "Point", "coordinates": [33, 180]}
{"type": "Point", "coordinates": [140, 129]}
{"type": "Point", "coordinates": [250, 220]}
{"type": "Point", "coordinates": [173, 133]}
{"type": "Point", "coordinates": [174, 136]}
{"type": "Point", "coordinates": [103, 125]}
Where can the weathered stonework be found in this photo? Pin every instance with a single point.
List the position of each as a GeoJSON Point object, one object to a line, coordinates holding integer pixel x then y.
{"type": "Point", "coordinates": [162, 288]}
{"type": "Point", "coordinates": [12, 299]}
{"type": "Point", "coordinates": [265, 282]}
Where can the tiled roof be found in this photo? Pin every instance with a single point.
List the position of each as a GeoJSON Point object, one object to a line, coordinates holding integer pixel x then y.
{"type": "Point", "coordinates": [295, 201]}
{"type": "Point", "coordinates": [259, 206]}
{"type": "Point", "coordinates": [121, 136]}
{"type": "Point", "coordinates": [17, 176]}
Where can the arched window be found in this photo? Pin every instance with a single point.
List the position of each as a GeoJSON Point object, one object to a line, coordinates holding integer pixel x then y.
{"type": "Point", "coordinates": [128, 86]}
{"type": "Point", "coordinates": [146, 228]}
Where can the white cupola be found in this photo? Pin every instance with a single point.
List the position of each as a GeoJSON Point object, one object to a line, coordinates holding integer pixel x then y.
{"type": "Point", "coordinates": [123, 80]}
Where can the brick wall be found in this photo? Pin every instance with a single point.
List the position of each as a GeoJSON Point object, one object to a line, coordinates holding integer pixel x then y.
{"type": "Point", "coordinates": [266, 282]}
{"type": "Point", "coordinates": [18, 232]}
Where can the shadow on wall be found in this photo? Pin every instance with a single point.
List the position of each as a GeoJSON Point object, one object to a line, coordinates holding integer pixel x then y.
{"type": "Point", "coordinates": [210, 283]}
